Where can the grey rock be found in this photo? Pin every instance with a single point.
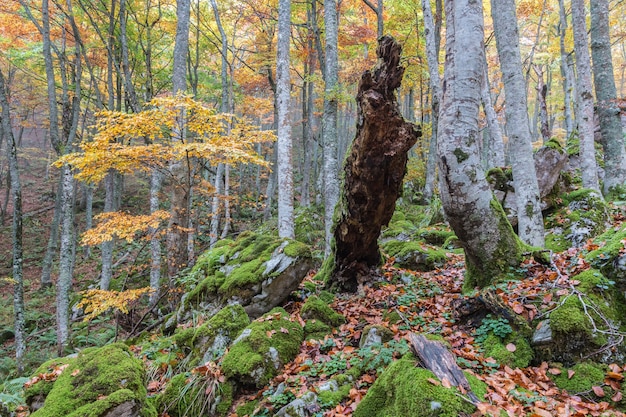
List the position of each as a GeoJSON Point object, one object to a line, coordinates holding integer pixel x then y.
{"type": "Point", "coordinates": [304, 406]}
{"type": "Point", "coordinates": [543, 334]}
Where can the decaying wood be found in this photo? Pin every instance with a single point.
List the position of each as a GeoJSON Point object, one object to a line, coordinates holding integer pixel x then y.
{"type": "Point", "coordinates": [435, 357]}
{"type": "Point", "coordinates": [374, 170]}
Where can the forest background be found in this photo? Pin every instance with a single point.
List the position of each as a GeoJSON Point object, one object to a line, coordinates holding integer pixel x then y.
{"type": "Point", "coordinates": [141, 132]}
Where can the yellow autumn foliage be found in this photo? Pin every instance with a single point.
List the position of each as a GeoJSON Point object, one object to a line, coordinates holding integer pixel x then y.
{"type": "Point", "coordinates": [95, 301]}
{"type": "Point", "coordinates": [151, 139]}
{"type": "Point", "coordinates": [122, 225]}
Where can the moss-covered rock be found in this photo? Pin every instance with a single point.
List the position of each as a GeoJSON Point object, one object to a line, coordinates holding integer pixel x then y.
{"type": "Point", "coordinates": [208, 341]}
{"type": "Point", "coordinates": [610, 257]}
{"type": "Point", "coordinates": [36, 394]}
{"type": "Point", "coordinates": [263, 348]}
{"type": "Point", "coordinates": [582, 216]}
{"type": "Point", "coordinates": [96, 382]}
{"type": "Point", "coordinates": [316, 329]}
{"type": "Point", "coordinates": [586, 375]}
{"type": "Point", "coordinates": [496, 348]}
{"type": "Point", "coordinates": [587, 320]}
{"type": "Point", "coordinates": [403, 389]}
{"type": "Point", "coordinates": [315, 308]}
{"type": "Point", "coordinates": [257, 271]}
{"type": "Point", "coordinates": [415, 255]}
{"type": "Point", "coordinates": [194, 395]}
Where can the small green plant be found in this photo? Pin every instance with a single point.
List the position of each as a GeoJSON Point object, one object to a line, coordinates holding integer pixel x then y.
{"type": "Point", "coordinates": [498, 326]}
{"type": "Point", "coordinates": [377, 356]}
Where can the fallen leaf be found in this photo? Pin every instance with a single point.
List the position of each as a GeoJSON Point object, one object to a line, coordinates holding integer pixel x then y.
{"type": "Point", "coordinates": [75, 372]}
{"type": "Point", "coordinates": [615, 375]}
{"type": "Point", "coordinates": [554, 371]}
{"type": "Point", "coordinates": [570, 373]}
{"type": "Point", "coordinates": [283, 330]}
{"type": "Point", "coordinates": [446, 383]}
{"type": "Point", "coordinates": [511, 347]}
{"type": "Point", "coordinates": [598, 391]}
{"type": "Point", "coordinates": [518, 308]}
{"type": "Point", "coordinates": [617, 397]}
{"type": "Point", "coordinates": [434, 382]}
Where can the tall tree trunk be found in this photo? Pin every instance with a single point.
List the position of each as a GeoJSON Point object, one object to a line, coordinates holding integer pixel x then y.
{"type": "Point", "coordinates": [129, 88]}
{"type": "Point", "coordinates": [284, 143]}
{"type": "Point", "coordinates": [566, 72]}
{"type": "Point", "coordinates": [495, 147]}
{"type": "Point", "coordinates": [530, 219]}
{"type": "Point", "coordinates": [329, 120]}
{"type": "Point", "coordinates": [432, 57]}
{"type": "Point", "coordinates": [373, 173]}
{"type": "Point", "coordinates": [106, 248]}
{"type": "Point", "coordinates": [542, 106]}
{"type": "Point", "coordinates": [378, 10]}
{"type": "Point", "coordinates": [179, 214]}
{"type": "Point", "coordinates": [606, 94]}
{"type": "Point", "coordinates": [155, 240]}
{"type": "Point", "coordinates": [64, 284]}
{"type": "Point", "coordinates": [51, 249]}
{"type": "Point", "coordinates": [585, 97]}
{"type": "Point", "coordinates": [491, 247]}
{"type": "Point", "coordinates": [18, 253]}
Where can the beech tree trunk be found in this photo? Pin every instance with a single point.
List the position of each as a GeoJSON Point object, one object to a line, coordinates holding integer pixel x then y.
{"type": "Point", "coordinates": [283, 128]}
{"type": "Point", "coordinates": [18, 252]}
{"type": "Point", "coordinates": [606, 93]}
{"type": "Point", "coordinates": [373, 172]}
{"type": "Point", "coordinates": [584, 92]}
{"type": "Point", "coordinates": [490, 244]}
{"type": "Point", "coordinates": [530, 219]}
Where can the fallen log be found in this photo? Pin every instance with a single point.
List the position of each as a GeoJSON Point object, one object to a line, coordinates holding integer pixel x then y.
{"type": "Point", "coordinates": [435, 357]}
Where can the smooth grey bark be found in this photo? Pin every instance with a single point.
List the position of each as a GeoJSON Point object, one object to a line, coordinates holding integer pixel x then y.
{"type": "Point", "coordinates": [495, 146]}
{"type": "Point", "coordinates": [106, 248]}
{"type": "Point", "coordinates": [64, 284]}
{"type": "Point", "coordinates": [530, 219]}
{"type": "Point", "coordinates": [567, 72]}
{"type": "Point", "coordinates": [491, 247]}
{"type": "Point", "coordinates": [541, 104]}
{"type": "Point", "coordinates": [215, 205]}
{"type": "Point", "coordinates": [585, 97]}
{"type": "Point", "coordinates": [129, 88]}
{"type": "Point", "coordinates": [329, 120]}
{"type": "Point", "coordinates": [155, 240]}
{"type": "Point", "coordinates": [284, 142]}
{"type": "Point", "coordinates": [432, 58]}
{"type": "Point", "coordinates": [17, 248]}
{"type": "Point", "coordinates": [179, 213]}
{"type": "Point", "coordinates": [606, 94]}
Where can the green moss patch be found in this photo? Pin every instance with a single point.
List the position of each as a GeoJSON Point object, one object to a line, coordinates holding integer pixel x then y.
{"type": "Point", "coordinates": [315, 308]}
{"type": "Point", "coordinates": [586, 375]}
{"type": "Point", "coordinates": [98, 380]}
{"type": "Point", "coordinates": [263, 348]}
{"type": "Point", "coordinates": [496, 348]}
{"type": "Point", "coordinates": [208, 341]}
{"type": "Point", "coordinates": [404, 390]}
{"type": "Point", "coordinates": [415, 255]}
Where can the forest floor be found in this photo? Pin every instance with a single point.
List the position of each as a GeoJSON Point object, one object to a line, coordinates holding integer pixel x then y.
{"type": "Point", "coordinates": [423, 301]}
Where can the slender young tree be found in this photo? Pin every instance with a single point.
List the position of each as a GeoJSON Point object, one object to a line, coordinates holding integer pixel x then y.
{"type": "Point", "coordinates": [329, 119]}
{"type": "Point", "coordinates": [585, 97]}
{"type": "Point", "coordinates": [16, 191]}
{"type": "Point", "coordinates": [490, 244]}
{"type": "Point", "coordinates": [529, 217]}
{"type": "Point", "coordinates": [283, 98]}
{"type": "Point", "coordinates": [179, 213]}
{"type": "Point", "coordinates": [432, 57]}
{"type": "Point", "coordinates": [606, 93]}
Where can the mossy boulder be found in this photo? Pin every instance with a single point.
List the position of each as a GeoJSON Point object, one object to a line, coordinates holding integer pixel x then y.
{"type": "Point", "coordinates": [582, 216]}
{"type": "Point", "coordinates": [610, 256]}
{"type": "Point", "coordinates": [194, 395]}
{"type": "Point", "coordinates": [587, 320]}
{"type": "Point", "coordinates": [496, 348]}
{"type": "Point", "coordinates": [415, 255]}
{"type": "Point", "coordinates": [256, 270]}
{"type": "Point", "coordinates": [107, 381]}
{"type": "Point", "coordinates": [403, 389]}
{"type": "Point", "coordinates": [585, 376]}
{"type": "Point", "coordinates": [316, 308]}
{"type": "Point", "coordinates": [263, 348]}
{"type": "Point", "coordinates": [209, 341]}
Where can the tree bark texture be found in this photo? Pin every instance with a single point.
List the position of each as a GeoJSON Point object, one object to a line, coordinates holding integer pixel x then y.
{"type": "Point", "coordinates": [606, 93]}
{"type": "Point", "coordinates": [490, 244]}
{"type": "Point", "coordinates": [530, 219]}
{"type": "Point", "coordinates": [373, 171]}
{"type": "Point", "coordinates": [284, 142]}
{"type": "Point", "coordinates": [495, 146]}
{"type": "Point", "coordinates": [584, 92]}
{"type": "Point", "coordinates": [19, 321]}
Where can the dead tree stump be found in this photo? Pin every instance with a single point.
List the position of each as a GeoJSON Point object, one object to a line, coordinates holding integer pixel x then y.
{"type": "Point", "coordinates": [373, 172]}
